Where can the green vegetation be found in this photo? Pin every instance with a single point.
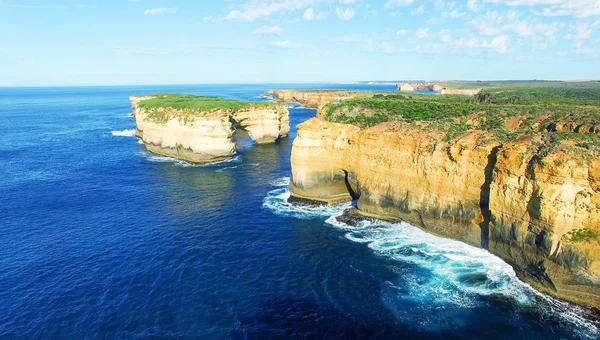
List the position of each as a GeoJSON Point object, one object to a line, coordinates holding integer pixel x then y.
{"type": "Point", "coordinates": [557, 109]}
{"type": "Point", "coordinates": [192, 105]}
{"type": "Point", "coordinates": [583, 235]}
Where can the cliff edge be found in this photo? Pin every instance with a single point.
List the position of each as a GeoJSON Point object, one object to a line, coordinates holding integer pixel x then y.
{"type": "Point", "coordinates": [506, 171]}
{"type": "Point", "coordinates": [311, 98]}
{"type": "Point", "coordinates": [200, 129]}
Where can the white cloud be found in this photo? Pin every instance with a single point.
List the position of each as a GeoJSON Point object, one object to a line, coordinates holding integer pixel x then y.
{"type": "Point", "coordinates": [474, 5]}
{"type": "Point", "coordinates": [268, 30]}
{"type": "Point", "coordinates": [417, 11]}
{"type": "Point", "coordinates": [551, 8]}
{"type": "Point", "coordinates": [309, 14]}
{"type": "Point", "coordinates": [401, 33]}
{"type": "Point", "coordinates": [345, 14]}
{"type": "Point", "coordinates": [498, 44]}
{"type": "Point", "coordinates": [252, 10]}
{"type": "Point", "coordinates": [580, 32]}
{"type": "Point", "coordinates": [455, 14]}
{"type": "Point", "coordinates": [444, 35]}
{"type": "Point", "coordinates": [160, 11]}
{"type": "Point", "coordinates": [259, 9]}
{"type": "Point", "coordinates": [470, 42]}
{"type": "Point", "coordinates": [398, 3]}
{"type": "Point", "coordinates": [494, 23]}
{"type": "Point", "coordinates": [422, 33]}
{"type": "Point", "coordinates": [285, 44]}
{"type": "Point", "coordinates": [207, 18]}
{"type": "Point", "coordinates": [387, 48]}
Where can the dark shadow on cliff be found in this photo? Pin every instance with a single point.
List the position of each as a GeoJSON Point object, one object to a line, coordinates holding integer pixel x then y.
{"type": "Point", "coordinates": [353, 193]}
{"type": "Point", "coordinates": [484, 198]}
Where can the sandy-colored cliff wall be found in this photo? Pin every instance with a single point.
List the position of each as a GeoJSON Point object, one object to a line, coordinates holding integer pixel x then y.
{"type": "Point", "coordinates": [206, 137]}
{"type": "Point", "coordinates": [437, 87]}
{"type": "Point", "coordinates": [518, 201]}
{"type": "Point", "coordinates": [315, 99]}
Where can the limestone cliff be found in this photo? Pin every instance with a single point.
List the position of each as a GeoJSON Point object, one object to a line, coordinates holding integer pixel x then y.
{"type": "Point", "coordinates": [315, 99]}
{"type": "Point", "coordinates": [437, 87]}
{"type": "Point", "coordinates": [538, 208]}
{"type": "Point", "coordinates": [202, 136]}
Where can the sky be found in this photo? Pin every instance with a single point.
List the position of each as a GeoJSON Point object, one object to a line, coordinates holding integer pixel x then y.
{"type": "Point", "coordinates": [131, 42]}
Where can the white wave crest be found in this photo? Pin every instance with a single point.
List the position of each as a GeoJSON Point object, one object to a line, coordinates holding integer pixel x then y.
{"type": "Point", "coordinates": [282, 182]}
{"type": "Point", "coordinates": [178, 162]}
{"type": "Point", "coordinates": [454, 264]}
{"type": "Point", "coordinates": [124, 133]}
{"type": "Point", "coordinates": [228, 168]}
{"type": "Point", "coordinates": [277, 201]}
{"type": "Point", "coordinates": [458, 274]}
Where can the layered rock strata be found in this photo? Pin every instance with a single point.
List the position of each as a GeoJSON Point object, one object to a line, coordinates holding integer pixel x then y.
{"type": "Point", "coordinates": [437, 87]}
{"type": "Point", "coordinates": [314, 99]}
{"type": "Point", "coordinates": [203, 137]}
{"type": "Point", "coordinates": [538, 209]}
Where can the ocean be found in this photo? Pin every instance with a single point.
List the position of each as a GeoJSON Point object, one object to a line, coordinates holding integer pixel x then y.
{"type": "Point", "coordinates": [101, 239]}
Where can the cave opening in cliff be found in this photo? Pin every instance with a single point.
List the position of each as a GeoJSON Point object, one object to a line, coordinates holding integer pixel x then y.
{"type": "Point", "coordinates": [240, 137]}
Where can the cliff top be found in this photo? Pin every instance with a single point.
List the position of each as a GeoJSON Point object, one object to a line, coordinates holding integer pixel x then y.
{"type": "Point", "coordinates": [506, 113]}
{"type": "Point", "coordinates": [163, 106]}
{"type": "Point", "coordinates": [199, 103]}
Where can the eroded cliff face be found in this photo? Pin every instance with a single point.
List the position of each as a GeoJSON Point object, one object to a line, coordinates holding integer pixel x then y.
{"type": "Point", "coordinates": [437, 87]}
{"type": "Point", "coordinates": [315, 99]}
{"type": "Point", "coordinates": [206, 137]}
{"type": "Point", "coordinates": [529, 206]}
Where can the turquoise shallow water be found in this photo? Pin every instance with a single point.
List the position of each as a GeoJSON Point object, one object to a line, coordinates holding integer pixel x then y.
{"type": "Point", "coordinates": [101, 239]}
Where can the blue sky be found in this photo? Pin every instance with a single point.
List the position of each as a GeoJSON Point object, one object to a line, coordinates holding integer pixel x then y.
{"type": "Point", "coordinates": [122, 42]}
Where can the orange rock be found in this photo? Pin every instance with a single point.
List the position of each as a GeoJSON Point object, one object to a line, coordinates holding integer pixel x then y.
{"type": "Point", "coordinates": [513, 199]}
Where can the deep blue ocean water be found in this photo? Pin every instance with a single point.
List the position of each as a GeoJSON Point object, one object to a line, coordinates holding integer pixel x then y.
{"type": "Point", "coordinates": [100, 239]}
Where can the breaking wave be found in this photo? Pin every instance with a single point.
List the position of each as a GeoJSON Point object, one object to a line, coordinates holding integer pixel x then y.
{"type": "Point", "coordinates": [124, 133]}
{"type": "Point", "coordinates": [456, 274]}
{"type": "Point", "coordinates": [178, 162]}
{"type": "Point", "coordinates": [277, 201]}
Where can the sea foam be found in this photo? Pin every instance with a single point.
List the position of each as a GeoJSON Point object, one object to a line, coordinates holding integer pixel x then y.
{"type": "Point", "coordinates": [178, 162]}
{"type": "Point", "coordinates": [124, 133]}
{"type": "Point", "coordinates": [459, 275]}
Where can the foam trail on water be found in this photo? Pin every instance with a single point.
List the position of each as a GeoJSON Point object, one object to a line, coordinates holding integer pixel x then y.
{"type": "Point", "coordinates": [178, 162]}
{"type": "Point", "coordinates": [227, 168]}
{"type": "Point", "coordinates": [277, 201]}
{"type": "Point", "coordinates": [460, 272]}
{"type": "Point", "coordinates": [124, 133]}
{"type": "Point", "coordinates": [282, 182]}
{"type": "Point", "coordinates": [454, 265]}
{"type": "Point", "coordinates": [457, 274]}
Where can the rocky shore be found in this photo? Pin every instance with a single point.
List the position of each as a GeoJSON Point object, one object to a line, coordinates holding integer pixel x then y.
{"type": "Point", "coordinates": [532, 198]}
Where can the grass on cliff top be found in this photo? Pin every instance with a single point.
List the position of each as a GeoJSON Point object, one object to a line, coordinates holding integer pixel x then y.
{"type": "Point", "coordinates": [490, 111]}
{"type": "Point", "coordinates": [193, 105]}
{"type": "Point", "coordinates": [200, 103]}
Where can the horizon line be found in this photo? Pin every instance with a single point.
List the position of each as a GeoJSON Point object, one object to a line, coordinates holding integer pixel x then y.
{"type": "Point", "coordinates": [349, 82]}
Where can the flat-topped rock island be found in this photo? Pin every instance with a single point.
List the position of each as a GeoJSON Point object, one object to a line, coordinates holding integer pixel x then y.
{"type": "Point", "coordinates": [200, 129]}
